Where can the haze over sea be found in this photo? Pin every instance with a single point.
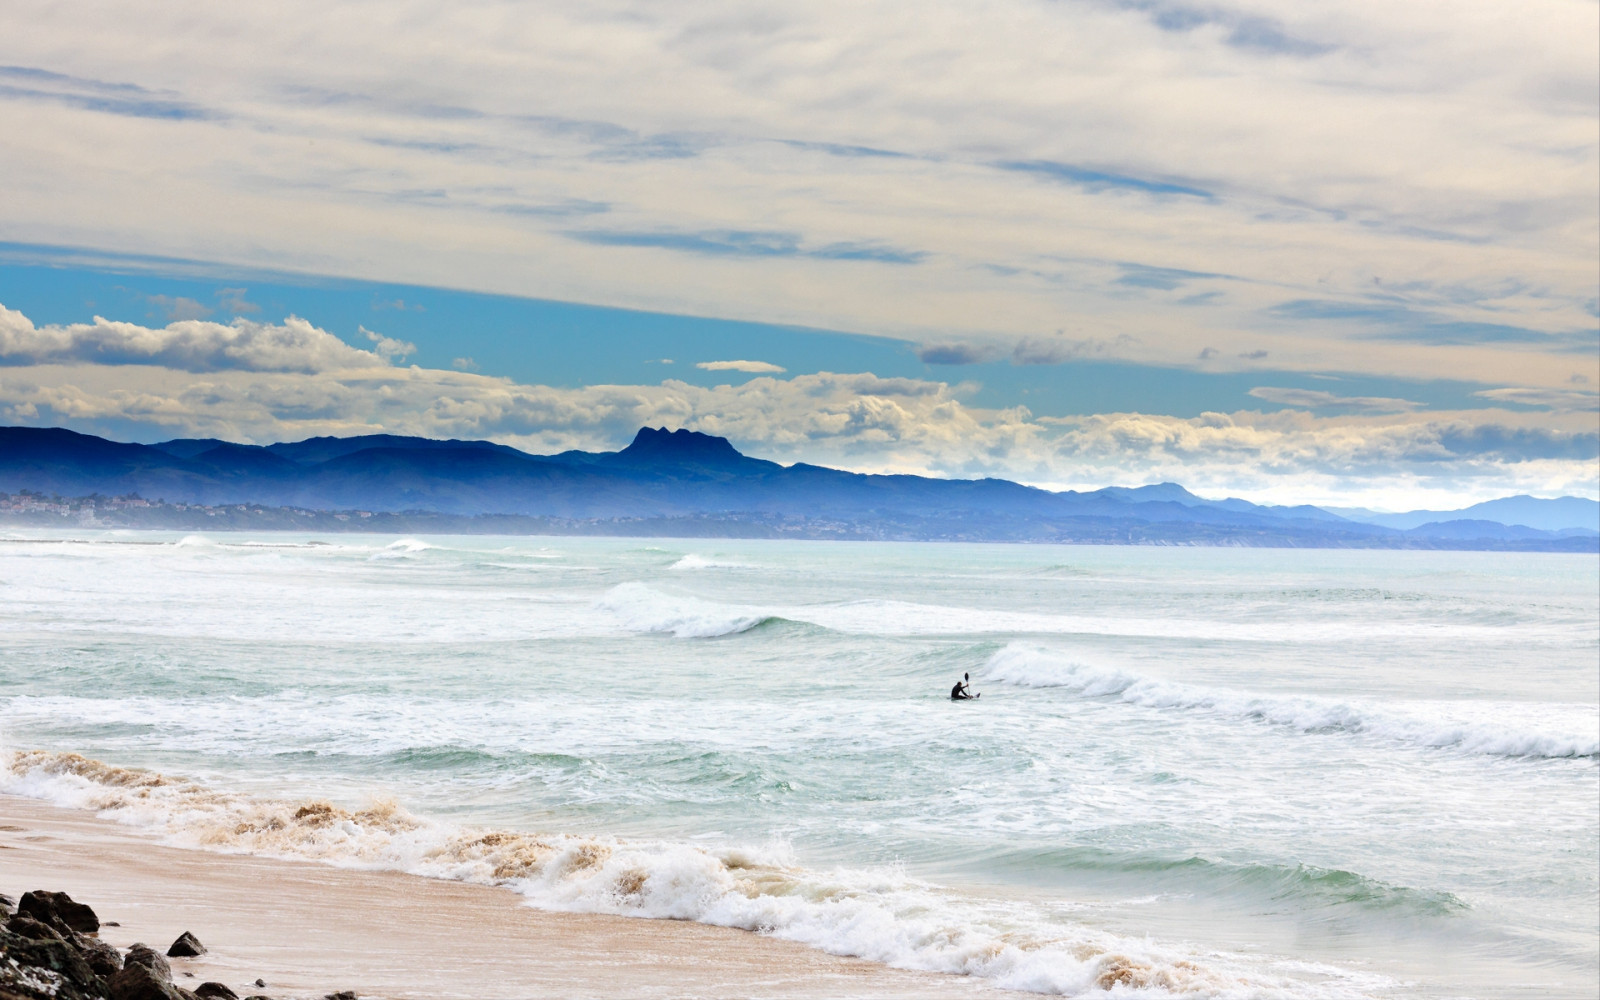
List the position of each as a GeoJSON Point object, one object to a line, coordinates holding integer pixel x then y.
{"type": "Point", "coordinates": [1205, 772]}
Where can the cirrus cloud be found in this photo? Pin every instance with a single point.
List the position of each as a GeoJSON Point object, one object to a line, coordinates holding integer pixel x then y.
{"type": "Point", "coordinates": [754, 367]}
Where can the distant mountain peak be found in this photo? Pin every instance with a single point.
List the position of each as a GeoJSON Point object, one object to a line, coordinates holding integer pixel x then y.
{"type": "Point", "coordinates": [1157, 492]}
{"type": "Point", "coordinates": [661, 445]}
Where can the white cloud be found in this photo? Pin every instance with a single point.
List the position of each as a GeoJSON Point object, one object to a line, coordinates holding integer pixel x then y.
{"type": "Point", "coordinates": [388, 348]}
{"type": "Point", "coordinates": [756, 367]}
{"type": "Point", "coordinates": [190, 345]}
{"type": "Point", "coordinates": [1555, 399]}
{"type": "Point", "coordinates": [1316, 399]}
{"type": "Point", "coordinates": [1069, 164]}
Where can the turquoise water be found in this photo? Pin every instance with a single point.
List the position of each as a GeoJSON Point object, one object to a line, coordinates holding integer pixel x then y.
{"type": "Point", "coordinates": [1192, 771]}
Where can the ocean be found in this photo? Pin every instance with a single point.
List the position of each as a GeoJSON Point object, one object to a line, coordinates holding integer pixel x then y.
{"type": "Point", "coordinates": [1192, 771]}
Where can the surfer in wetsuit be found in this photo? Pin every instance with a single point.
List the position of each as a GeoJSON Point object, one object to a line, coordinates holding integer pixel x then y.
{"type": "Point", "coordinates": [961, 692]}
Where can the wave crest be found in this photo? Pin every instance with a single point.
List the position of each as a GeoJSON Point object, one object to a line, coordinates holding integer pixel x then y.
{"type": "Point", "coordinates": [1427, 725]}
{"type": "Point", "coordinates": [695, 561]}
{"type": "Point", "coordinates": [880, 915]}
{"type": "Point", "coordinates": [642, 609]}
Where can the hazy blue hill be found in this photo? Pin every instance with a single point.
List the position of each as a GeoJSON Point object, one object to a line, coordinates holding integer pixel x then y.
{"type": "Point", "coordinates": [697, 481]}
{"type": "Point", "coordinates": [242, 461]}
{"type": "Point", "coordinates": [1469, 528]}
{"type": "Point", "coordinates": [1533, 512]}
{"type": "Point", "coordinates": [191, 447]}
{"type": "Point", "coordinates": [54, 460]}
{"type": "Point", "coordinates": [1169, 492]}
{"type": "Point", "coordinates": [472, 481]}
{"type": "Point", "coordinates": [313, 451]}
{"type": "Point", "coordinates": [1551, 515]}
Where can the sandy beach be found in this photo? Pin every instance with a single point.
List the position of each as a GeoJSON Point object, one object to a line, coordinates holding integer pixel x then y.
{"type": "Point", "coordinates": [309, 929]}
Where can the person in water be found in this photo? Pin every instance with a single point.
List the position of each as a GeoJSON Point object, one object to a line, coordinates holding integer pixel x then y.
{"type": "Point", "coordinates": [961, 692]}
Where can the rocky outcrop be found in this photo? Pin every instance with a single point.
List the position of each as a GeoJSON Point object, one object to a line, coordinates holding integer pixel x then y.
{"type": "Point", "coordinates": [187, 946]}
{"type": "Point", "coordinates": [49, 951]}
{"type": "Point", "coordinates": [37, 963]}
{"type": "Point", "coordinates": [141, 982]}
{"type": "Point", "coordinates": [59, 911]}
{"type": "Point", "coordinates": [149, 958]}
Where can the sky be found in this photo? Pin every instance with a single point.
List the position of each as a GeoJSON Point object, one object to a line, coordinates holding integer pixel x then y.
{"type": "Point", "coordinates": [1345, 252]}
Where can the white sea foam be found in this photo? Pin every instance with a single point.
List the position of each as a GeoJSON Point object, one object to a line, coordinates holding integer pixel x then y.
{"type": "Point", "coordinates": [405, 548]}
{"type": "Point", "coordinates": [642, 609]}
{"type": "Point", "coordinates": [696, 561]}
{"type": "Point", "coordinates": [1519, 731]}
{"type": "Point", "coordinates": [880, 915]}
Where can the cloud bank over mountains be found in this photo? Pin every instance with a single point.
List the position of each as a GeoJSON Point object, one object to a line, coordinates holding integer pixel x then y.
{"type": "Point", "coordinates": [263, 382]}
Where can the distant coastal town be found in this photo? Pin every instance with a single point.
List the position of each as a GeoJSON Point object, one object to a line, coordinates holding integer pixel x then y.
{"type": "Point", "coordinates": [31, 509]}
{"type": "Point", "coordinates": [28, 508]}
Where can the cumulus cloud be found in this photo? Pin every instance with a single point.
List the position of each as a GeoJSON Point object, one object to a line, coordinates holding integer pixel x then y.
{"type": "Point", "coordinates": [755, 367]}
{"type": "Point", "coordinates": [388, 348]}
{"type": "Point", "coordinates": [188, 345]}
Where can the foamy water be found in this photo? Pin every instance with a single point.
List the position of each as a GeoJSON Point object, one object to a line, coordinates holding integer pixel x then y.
{"type": "Point", "coordinates": [1192, 773]}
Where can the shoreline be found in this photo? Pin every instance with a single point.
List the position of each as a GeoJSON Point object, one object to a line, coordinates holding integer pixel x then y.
{"type": "Point", "coordinates": [311, 929]}
{"type": "Point", "coordinates": [1077, 530]}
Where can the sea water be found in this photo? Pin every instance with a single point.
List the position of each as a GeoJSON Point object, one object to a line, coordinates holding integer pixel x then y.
{"type": "Point", "coordinates": [1192, 771]}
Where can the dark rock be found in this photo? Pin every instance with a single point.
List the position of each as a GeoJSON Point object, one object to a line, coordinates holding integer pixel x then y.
{"type": "Point", "coordinates": [102, 958]}
{"type": "Point", "coordinates": [50, 957]}
{"type": "Point", "coordinates": [147, 957]}
{"type": "Point", "coordinates": [215, 991]}
{"type": "Point", "coordinates": [341, 995]}
{"type": "Point", "coordinates": [260, 983]}
{"type": "Point", "coordinates": [59, 911]}
{"type": "Point", "coordinates": [187, 946]}
{"type": "Point", "coordinates": [140, 982]}
{"type": "Point", "coordinates": [109, 923]}
{"type": "Point", "coordinates": [105, 960]}
{"type": "Point", "coordinates": [8, 906]}
{"type": "Point", "coordinates": [32, 929]}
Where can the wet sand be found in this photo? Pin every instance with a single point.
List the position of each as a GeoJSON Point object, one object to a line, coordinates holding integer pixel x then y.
{"type": "Point", "coordinates": [309, 929]}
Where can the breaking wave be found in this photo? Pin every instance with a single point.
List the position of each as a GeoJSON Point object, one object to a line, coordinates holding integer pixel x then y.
{"type": "Point", "coordinates": [405, 548]}
{"type": "Point", "coordinates": [642, 609]}
{"type": "Point", "coordinates": [1306, 885]}
{"type": "Point", "coordinates": [694, 561]}
{"type": "Point", "coordinates": [1430, 725]}
{"type": "Point", "coordinates": [880, 915]}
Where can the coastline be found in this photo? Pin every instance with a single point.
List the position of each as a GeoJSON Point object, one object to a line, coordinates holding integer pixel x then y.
{"type": "Point", "coordinates": [309, 929]}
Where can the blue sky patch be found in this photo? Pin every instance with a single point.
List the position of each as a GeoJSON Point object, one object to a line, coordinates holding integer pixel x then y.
{"type": "Point", "coordinates": [564, 344]}
{"type": "Point", "coordinates": [1100, 180]}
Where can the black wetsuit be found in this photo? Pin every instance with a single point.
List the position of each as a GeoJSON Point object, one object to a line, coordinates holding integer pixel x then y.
{"type": "Point", "coordinates": [959, 692]}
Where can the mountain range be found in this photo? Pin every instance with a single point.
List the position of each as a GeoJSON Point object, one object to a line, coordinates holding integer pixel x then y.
{"type": "Point", "coordinates": [683, 477]}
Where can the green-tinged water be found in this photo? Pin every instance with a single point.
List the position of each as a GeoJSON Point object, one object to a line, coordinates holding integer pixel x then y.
{"type": "Point", "coordinates": [1192, 771]}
